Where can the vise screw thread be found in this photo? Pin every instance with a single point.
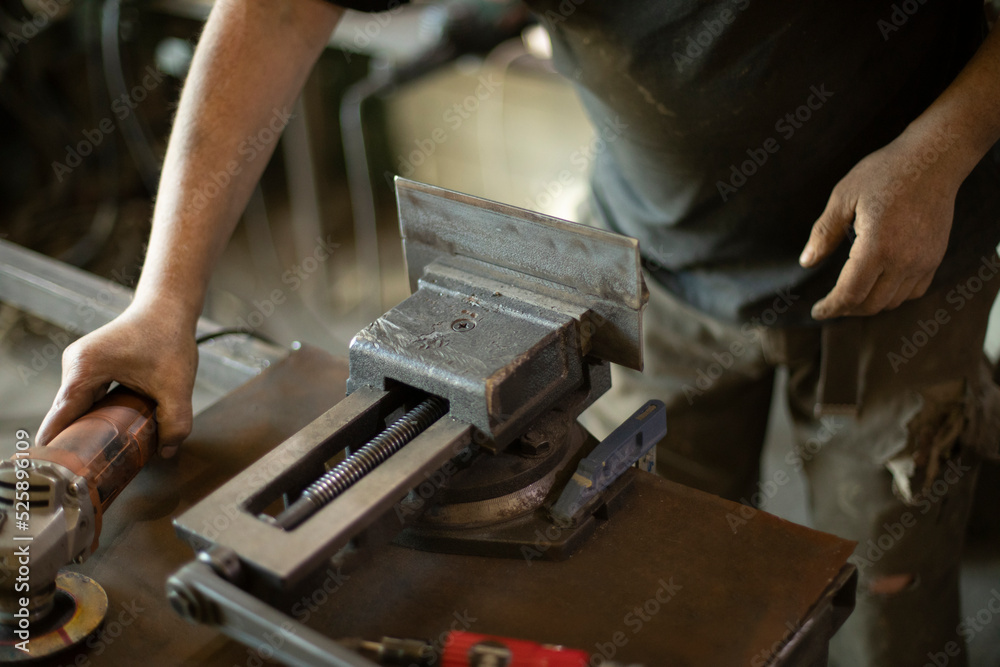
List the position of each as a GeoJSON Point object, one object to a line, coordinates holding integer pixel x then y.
{"type": "Point", "coordinates": [363, 461]}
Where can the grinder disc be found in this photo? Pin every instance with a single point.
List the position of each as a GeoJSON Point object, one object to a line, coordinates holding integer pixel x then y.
{"type": "Point", "coordinates": [79, 608]}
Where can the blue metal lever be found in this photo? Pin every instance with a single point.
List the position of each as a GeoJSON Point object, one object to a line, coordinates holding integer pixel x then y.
{"type": "Point", "coordinates": [610, 459]}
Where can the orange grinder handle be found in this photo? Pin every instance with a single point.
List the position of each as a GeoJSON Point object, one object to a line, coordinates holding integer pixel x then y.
{"type": "Point", "coordinates": [107, 446]}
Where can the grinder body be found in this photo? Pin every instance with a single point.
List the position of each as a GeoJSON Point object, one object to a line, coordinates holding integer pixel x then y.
{"type": "Point", "coordinates": [52, 498]}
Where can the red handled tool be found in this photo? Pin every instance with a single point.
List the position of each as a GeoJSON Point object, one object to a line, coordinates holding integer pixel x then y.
{"type": "Point", "coordinates": [467, 649]}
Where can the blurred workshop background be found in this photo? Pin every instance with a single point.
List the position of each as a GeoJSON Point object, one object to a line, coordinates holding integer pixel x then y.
{"type": "Point", "coordinates": [459, 94]}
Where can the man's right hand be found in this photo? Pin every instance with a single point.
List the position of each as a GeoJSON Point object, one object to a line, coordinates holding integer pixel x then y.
{"type": "Point", "coordinates": [145, 349]}
{"type": "Point", "coordinates": [248, 69]}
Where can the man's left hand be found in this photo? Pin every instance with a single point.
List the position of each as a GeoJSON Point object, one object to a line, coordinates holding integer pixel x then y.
{"type": "Point", "coordinates": [900, 203]}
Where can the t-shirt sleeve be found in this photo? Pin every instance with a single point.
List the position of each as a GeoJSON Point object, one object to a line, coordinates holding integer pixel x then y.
{"type": "Point", "coordinates": [369, 5]}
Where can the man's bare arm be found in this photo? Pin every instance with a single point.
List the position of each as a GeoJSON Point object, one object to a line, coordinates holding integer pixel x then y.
{"type": "Point", "coordinates": [901, 198]}
{"type": "Point", "coordinates": [250, 65]}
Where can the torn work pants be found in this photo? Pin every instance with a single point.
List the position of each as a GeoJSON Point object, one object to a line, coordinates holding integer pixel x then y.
{"type": "Point", "coordinates": [892, 414]}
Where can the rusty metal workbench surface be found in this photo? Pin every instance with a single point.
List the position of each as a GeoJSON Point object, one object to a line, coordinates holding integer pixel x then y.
{"type": "Point", "coordinates": [666, 582]}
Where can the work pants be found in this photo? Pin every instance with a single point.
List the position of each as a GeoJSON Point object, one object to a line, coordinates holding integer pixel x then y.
{"type": "Point", "coordinates": [892, 415]}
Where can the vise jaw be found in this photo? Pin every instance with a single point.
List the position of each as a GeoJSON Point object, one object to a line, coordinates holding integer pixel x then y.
{"type": "Point", "coordinates": [511, 311]}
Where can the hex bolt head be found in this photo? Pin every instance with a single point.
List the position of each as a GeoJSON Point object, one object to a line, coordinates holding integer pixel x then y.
{"type": "Point", "coordinates": [225, 562]}
{"type": "Point", "coordinates": [182, 604]}
{"type": "Point", "coordinates": [189, 605]}
{"type": "Point", "coordinates": [533, 444]}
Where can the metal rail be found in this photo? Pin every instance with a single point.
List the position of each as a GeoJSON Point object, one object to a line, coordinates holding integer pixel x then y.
{"type": "Point", "coordinates": [198, 594]}
{"type": "Point", "coordinates": [81, 302]}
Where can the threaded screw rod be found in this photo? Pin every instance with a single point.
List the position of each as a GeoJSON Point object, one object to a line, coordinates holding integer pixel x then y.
{"type": "Point", "coordinates": [361, 462]}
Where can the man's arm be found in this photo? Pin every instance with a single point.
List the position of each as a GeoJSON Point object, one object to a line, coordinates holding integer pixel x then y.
{"type": "Point", "coordinates": [250, 65]}
{"type": "Point", "coordinates": [901, 198]}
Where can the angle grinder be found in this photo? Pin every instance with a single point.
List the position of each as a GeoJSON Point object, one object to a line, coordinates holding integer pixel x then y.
{"type": "Point", "coordinates": [52, 500]}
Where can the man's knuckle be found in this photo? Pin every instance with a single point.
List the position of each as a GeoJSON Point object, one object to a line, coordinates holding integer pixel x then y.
{"type": "Point", "coordinates": [72, 352]}
{"type": "Point", "coordinates": [882, 255]}
{"type": "Point", "coordinates": [852, 297]}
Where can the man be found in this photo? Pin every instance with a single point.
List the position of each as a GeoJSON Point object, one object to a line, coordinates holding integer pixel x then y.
{"type": "Point", "coordinates": [751, 129]}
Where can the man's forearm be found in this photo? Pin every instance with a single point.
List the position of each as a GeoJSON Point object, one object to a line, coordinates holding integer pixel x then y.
{"type": "Point", "coordinates": [250, 65]}
{"type": "Point", "coordinates": [967, 114]}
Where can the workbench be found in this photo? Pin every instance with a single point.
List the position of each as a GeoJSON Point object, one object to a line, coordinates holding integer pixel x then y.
{"type": "Point", "coordinates": [670, 579]}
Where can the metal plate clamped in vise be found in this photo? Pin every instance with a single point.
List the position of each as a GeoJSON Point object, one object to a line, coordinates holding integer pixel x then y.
{"type": "Point", "coordinates": [511, 310]}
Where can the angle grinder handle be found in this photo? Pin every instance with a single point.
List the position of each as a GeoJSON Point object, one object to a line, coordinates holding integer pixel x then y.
{"type": "Point", "coordinates": [107, 446]}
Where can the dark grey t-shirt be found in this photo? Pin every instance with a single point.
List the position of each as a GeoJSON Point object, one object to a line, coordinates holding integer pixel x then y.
{"type": "Point", "coordinates": [725, 125]}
